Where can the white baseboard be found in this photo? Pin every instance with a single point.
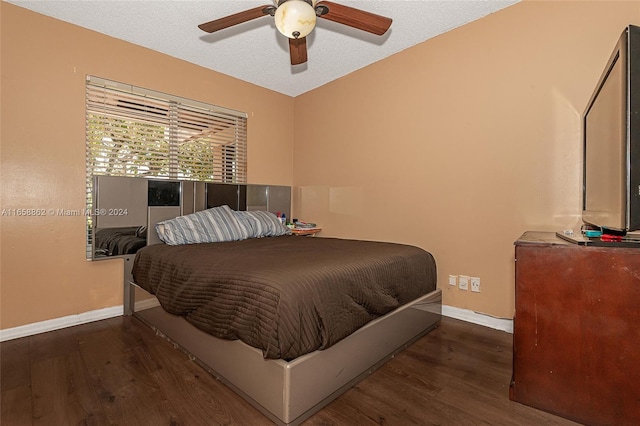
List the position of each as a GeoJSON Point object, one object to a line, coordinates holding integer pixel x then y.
{"type": "Point", "coordinates": [115, 311]}
{"type": "Point", "coordinates": [478, 318]}
{"type": "Point", "coordinates": [58, 323]}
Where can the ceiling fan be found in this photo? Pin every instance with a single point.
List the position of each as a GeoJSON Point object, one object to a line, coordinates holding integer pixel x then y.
{"type": "Point", "coordinates": [297, 18]}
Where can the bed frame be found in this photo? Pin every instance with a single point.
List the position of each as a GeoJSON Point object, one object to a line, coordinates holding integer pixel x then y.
{"type": "Point", "coordinates": [290, 392]}
{"type": "Point", "coordinates": [286, 392]}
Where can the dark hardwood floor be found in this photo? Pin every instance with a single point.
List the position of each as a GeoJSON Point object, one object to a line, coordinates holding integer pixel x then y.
{"type": "Point", "coordinates": [118, 372]}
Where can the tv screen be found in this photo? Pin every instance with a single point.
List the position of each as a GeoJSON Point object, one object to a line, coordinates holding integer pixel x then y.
{"type": "Point", "coordinates": [611, 142]}
{"type": "Point", "coordinates": [605, 137]}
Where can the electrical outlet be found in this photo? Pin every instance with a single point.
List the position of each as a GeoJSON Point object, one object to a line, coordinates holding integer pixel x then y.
{"type": "Point", "coordinates": [463, 282]}
{"type": "Point", "coordinates": [453, 280]}
{"type": "Point", "coordinates": [475, 284]}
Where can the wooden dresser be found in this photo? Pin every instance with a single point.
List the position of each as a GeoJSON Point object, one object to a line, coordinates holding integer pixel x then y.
{"type": "Point", "coordinates": [576, 341]}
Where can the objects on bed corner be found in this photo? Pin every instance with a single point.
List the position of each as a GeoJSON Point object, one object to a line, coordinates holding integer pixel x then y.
{"type": "Point", "coordinates": [305, 228]}
{"type": "Point", "coordinates": [304, 225]}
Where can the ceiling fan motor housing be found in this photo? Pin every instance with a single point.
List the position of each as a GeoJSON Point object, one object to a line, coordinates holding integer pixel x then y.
{"type": "Point", "coordinates": [295, 18]}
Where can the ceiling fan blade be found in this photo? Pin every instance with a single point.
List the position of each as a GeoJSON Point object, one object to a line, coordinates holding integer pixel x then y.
{"type": "Point", "coordinates": [356, 18]}
{"type": "Point", "coordinates": [237, 18]}
{"type": "Point", "coordinates": [298, 50]}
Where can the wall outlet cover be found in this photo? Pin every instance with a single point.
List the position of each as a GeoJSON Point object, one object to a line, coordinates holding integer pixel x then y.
{"type": "Point", "coordinates": [475, 284]}
{"type": "Point", "coordinates": [463, 282]}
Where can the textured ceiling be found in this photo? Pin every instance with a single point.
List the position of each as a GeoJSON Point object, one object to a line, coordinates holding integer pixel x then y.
{"type": "Point", "coordinates": [254, 51]}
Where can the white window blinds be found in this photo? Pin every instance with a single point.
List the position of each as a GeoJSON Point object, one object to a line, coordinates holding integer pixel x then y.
{"type": "Point", "coordinates": [138, 132]}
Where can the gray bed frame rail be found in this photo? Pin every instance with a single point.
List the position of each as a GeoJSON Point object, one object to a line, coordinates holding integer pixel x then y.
{"type": "Point", "coordinates": [290, 392]}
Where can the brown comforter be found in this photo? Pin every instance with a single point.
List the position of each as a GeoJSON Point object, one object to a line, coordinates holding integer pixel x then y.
{"type": "Point", "coordinates": [285, 295]}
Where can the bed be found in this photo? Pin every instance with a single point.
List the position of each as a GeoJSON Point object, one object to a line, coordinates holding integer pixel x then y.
{"type": "Point", "coordinates": [288, 322]}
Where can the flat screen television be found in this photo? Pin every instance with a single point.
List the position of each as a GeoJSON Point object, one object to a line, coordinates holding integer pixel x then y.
{"type": "Point", "coordinates": [611, 142]}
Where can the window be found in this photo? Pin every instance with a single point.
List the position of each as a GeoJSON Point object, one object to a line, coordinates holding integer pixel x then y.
{"type": "Point", "coordinates": [138, 132]}
{"type": "Point", "coordinates": [131, 131]}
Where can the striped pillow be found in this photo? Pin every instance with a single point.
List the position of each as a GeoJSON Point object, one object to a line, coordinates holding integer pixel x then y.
{"type": "Point", "coordinates": [207, 226]}
{"type": "Point", "coordinates": [262, 224]}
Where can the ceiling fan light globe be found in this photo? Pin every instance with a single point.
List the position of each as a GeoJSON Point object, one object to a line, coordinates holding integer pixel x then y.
{"type": "Point", "coordinates": [295, 18]}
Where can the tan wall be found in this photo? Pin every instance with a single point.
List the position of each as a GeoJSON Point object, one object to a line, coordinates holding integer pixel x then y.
{"type": "Point", "coordinates": [457, 145]}
{"type": "Point", "coordinates": [461, 143]}
{"type": "Point", "coordinates": [43, 273]}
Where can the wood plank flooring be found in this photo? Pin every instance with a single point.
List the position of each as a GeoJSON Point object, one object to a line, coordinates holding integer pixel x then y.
{"type": "Point", "coordinates": [118, 372]}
